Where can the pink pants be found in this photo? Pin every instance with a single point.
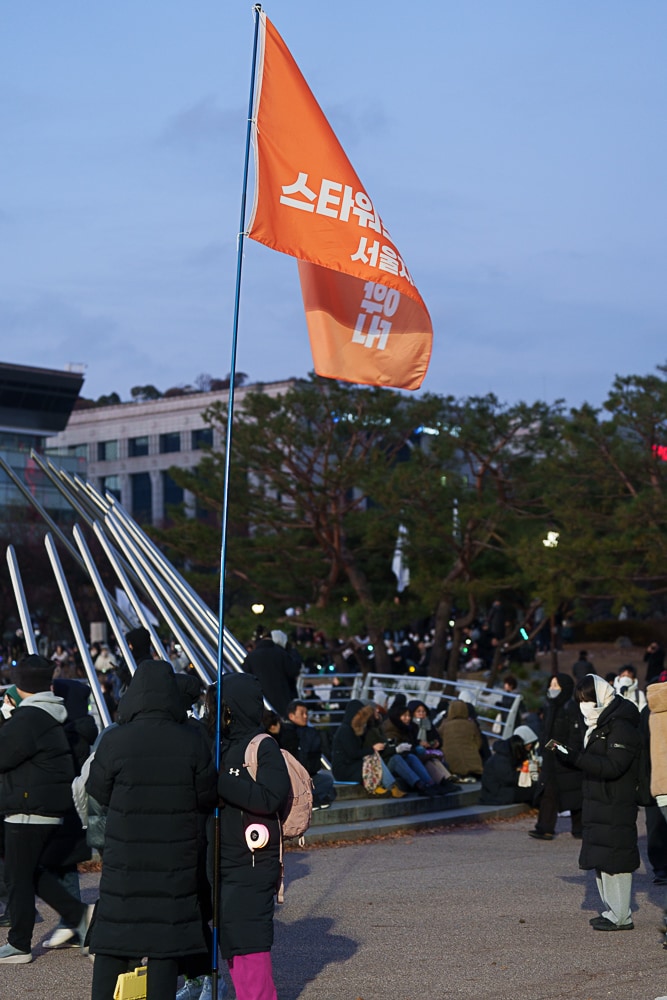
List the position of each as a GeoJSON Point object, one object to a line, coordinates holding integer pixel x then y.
{"type": "Point", "coordinates": [252, 976]}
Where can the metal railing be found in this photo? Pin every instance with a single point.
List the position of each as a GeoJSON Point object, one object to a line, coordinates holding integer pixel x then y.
{"type": "Point", "coordinates": [497, 710]}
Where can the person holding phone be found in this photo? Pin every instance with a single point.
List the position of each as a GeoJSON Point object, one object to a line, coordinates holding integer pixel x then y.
{"type": "Point", "coordinates": [609, 761]}
{"type": "Point", "coordinates": [559, 783]}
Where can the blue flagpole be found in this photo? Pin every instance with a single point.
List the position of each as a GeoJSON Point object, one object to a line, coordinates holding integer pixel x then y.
{"type": "Point", "coordinates": [225, 503]}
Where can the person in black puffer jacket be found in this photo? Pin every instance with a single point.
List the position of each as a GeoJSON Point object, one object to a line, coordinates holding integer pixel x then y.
{"type": "Point", "coordinates": [155, 776]}
{"type": "Point", "coordinates": [500, 777]}
{"type": "Point", "coordinates": [610, 765]}
{"type": "Point", "coordinates": [559, 784]}
{"type": "Point", "coordinates": [248, 878]}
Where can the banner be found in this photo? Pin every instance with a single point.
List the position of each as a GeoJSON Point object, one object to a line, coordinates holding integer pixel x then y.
{"type": "Point", "coordinates": [366, 320]}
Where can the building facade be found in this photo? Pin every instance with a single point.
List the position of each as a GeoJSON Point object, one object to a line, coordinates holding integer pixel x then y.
{"type": "Point", "coordinates": [128, 449]}
{"type": "Point", "coordinates": [34, 404]}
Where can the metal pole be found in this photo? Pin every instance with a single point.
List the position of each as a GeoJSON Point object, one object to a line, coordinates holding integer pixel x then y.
{"type": "Point", "coordinates": [104, 598]}
{"type": "Point", "coordinates": [81, 642]}
{"type": "Point", "coordinates": [225, 503]}
{"type": "Point", "coordinates": [22, 604]}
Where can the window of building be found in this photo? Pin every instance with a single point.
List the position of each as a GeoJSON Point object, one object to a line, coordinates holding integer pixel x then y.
{"type": "Point", "coordinates": [170, 442]}
{"type": "Point", "coordinates": [171, 493]}
{"type": "Point", "coordinates": [107, 451]}
{"type": "Point", "coordinates": [111, 484]}
{"type": "Point", "coordinates": [142, 497]}
{"type": "Point", "coordinates": [137, 446]}
{"type": "Point", "coordinates": [79, 450]}
{"type": "Point", "coordinates": [202, 438]}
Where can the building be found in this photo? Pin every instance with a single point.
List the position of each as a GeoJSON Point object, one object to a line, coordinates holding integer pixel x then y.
{"type": "Point", "coordinates": [35, 403]}
{"type": "Point", "coordinates": [129, 448]}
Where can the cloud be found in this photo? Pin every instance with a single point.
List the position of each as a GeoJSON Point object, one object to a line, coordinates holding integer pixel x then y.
{"type": "Point", "coordinates": [203, 123]}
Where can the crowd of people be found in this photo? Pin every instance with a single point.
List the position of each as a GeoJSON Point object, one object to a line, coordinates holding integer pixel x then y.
{"type": "Point", "coordinates": [143, 793]}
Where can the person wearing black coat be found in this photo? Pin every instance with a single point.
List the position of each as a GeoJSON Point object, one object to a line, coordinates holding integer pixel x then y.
{"type": "Point", "coordinates": [276, 672]}
{"type": "Point", "coordinates": [348, 749]}
{"type": "Point", "coordinates": [559, 784]}
{"type": "Point", "coordinates": [36, 769]}
{"type": "Point", "coordinates": [249, 876]}
{"type": "Point", "coordinates": [155, 775]}
{"type": "Point", "coordinates": [610, 765]}
{"type": "Point", "coordinates": [500, 777]}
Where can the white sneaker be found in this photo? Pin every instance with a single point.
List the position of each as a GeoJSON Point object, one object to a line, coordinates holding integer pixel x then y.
{"type": "Point", "coordinates": [62, 937]}
{"type": "Point", "coordinates": [9, 955]}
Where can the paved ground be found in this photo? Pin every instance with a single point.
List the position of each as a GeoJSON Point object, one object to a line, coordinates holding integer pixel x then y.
{"type": "Point", "coordinates": [466, 914]}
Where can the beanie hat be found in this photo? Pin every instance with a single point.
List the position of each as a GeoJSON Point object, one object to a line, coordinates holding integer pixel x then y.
{"type": "Point", "coordinates": [33, 674]}
{"type": "Point", "coordinates": [140, 640]}
{"type": "Point", "coordinates": [279, 638]}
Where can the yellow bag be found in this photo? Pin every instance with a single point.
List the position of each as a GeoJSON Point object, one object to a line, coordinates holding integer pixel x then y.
{"type": "Point", "coordinates": [131, 985]}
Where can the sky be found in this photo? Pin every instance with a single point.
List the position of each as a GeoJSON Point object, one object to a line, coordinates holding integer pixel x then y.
{"type": "Point", "coordinates": [515, 150]}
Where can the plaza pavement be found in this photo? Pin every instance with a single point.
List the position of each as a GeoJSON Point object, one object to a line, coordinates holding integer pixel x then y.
{"type": "Point", "coordinates": [460, 914]}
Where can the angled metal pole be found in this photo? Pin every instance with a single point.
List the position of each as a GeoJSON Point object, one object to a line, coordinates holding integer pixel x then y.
{"type": "Point", "coordinates": [22, 604]}
{"type": "Point", "coordinates": [225, 502]}
{"type": "Point", "coordinates": [104, 598]}
{"type": "Point", "coordinates": [75, 624]}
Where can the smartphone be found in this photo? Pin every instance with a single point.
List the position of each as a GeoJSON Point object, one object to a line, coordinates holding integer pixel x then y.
{"type": "Point", "coordinates": [554, 745]}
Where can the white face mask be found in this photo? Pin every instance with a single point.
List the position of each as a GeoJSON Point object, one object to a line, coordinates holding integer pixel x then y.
{"type": "Point", "coordinates": [590, 711]}
{"type": "Point", "coordinates": [553, 692]}
{"type": "Point", "coordinates": [6, 710]}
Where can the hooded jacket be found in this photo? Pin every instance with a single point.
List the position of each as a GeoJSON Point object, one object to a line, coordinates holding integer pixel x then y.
{"type": "Point", "coordinates": [500, 777]}
{"type": "Point", "coordinates": [154, 774]}
{"type": "Point", "coordinates": [248, 879]}
{"type": "Point", "coordinates": [35, 759]}
{"type": "Point", "coordinates": [348, 749]}
{"type": "Point", "coordinates": [461, 741]}
{"type": "Point", "coordinates": [563, 722]}
{"type": "Point", "coordinates": [610, 766]}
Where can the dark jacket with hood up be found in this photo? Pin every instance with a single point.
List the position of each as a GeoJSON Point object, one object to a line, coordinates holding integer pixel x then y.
{"type": "Point", "coordinates": [154, 774]}
{"type": "Point", "coordinates": [564, 723]}
{"type": "Point", "coordinates": [500, 777]}
{"type": "Point", "coordinates": [348, 749]}
{"type": "Point", "coordinates": [610, 764]}
{"type": "Point", "coordinates": [248, 880]}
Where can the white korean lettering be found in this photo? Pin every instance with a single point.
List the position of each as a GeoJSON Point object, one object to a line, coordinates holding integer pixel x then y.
{"type": "Point", "coordinates": [328, 198]}
{"type": "Point", "coordinates": [300, 187]}
{"type": "Point", "coordinates": [365, 212]}
{"type": "Point", "coordinates": [378, 302]}
{"type": "Point", "coordinates": [366, 254]}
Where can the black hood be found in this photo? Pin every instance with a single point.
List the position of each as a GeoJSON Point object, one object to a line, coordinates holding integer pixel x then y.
{"type": "Point", "coordinates": [152, 691]}
{"type": "Point", "coordinates": [620, 708]}
{"type": "Point", "coordinates": [351, 710]}
{"type": "Point", "coordinates": [189, 689]}
{"type": "Point", "coordinates": [242, 695]}
{"type": "Point", "coordinates": [75, 694]}
{"type": "Point", "coordinates": [566, 684]}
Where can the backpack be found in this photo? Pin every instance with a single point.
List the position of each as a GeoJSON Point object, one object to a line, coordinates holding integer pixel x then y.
{"type": "Point", "coordinates": [296, 813]}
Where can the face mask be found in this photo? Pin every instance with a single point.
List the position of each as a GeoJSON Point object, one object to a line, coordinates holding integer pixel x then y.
{"type": "Point", "coordinates": [6, 710]}
{"type": "Point", "coordinates": [589, 710]}
{"type": "Point", "coordinates": [553, 692]}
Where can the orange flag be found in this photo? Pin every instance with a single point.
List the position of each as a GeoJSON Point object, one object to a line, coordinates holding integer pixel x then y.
{"type": "Point", "coordinates": [366, 320]}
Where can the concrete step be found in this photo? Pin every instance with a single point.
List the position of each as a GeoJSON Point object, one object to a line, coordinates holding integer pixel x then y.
{"type": "Point", "coordinates": [357, 816]}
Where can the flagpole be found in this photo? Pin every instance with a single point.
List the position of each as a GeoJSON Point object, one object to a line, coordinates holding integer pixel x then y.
{"type": "Point", "coordinates": [225, 503]}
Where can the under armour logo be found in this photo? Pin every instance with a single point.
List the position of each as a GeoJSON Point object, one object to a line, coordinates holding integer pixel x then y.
{"type": "Point", "coordinates": [235, 771]}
